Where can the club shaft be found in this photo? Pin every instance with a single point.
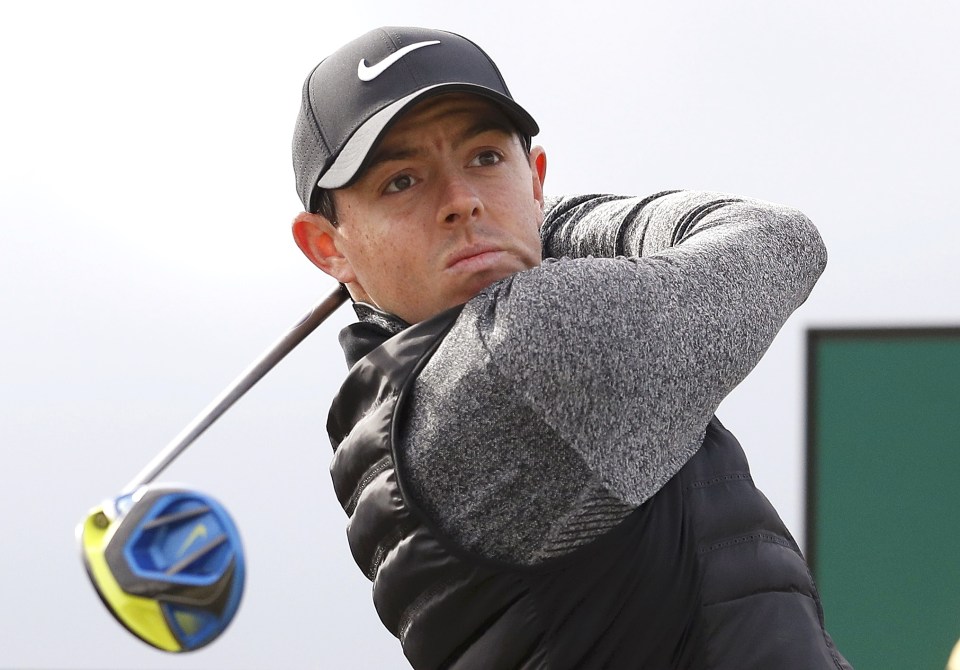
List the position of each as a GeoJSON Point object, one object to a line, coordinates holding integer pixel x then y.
{"type": "Point", "coordinates": [240, 386]}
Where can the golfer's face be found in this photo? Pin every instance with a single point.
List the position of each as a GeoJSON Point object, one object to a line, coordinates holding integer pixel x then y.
{"type": "Point", "coordinates": [450, 203]}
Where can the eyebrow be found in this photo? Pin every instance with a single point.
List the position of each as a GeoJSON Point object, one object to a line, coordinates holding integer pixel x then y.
{"type": "Point", "coordinates": [486, 124]}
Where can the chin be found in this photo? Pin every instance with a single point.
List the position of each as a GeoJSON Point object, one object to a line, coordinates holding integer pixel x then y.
{"type": "Point", "coordinates": [481, 282]}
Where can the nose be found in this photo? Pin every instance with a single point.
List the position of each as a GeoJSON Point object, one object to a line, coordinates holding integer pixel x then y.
{"type": "Point", "coordinates": [460, 201]}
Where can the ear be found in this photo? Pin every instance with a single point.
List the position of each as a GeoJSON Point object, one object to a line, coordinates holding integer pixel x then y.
{"type": "Point", "coordinates": [538, 166]}
{"type": "Point", "coordinates": [318, 240]}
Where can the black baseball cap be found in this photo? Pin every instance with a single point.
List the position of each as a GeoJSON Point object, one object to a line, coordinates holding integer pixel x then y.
{"type": "Point", "coordinates": [351, 98]}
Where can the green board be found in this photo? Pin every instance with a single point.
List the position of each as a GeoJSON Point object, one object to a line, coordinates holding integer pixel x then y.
{"type": "Point", "coordinates": [883, 492]}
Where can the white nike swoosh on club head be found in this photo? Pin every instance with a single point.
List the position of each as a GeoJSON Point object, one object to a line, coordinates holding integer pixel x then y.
{"type": "Point", "coordinates": [371, 72]}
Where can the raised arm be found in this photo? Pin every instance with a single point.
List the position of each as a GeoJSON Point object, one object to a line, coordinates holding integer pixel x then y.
{"type": "Point", "coordinates": [628, 358]}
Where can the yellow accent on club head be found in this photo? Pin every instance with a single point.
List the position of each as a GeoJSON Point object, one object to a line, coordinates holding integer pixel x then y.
{"type": "Point", "coordinates": [143, 616]}
{"type": "Point", "coordinates": [188, 622]}
{"type": "Point", "coordinates": [200, 530]}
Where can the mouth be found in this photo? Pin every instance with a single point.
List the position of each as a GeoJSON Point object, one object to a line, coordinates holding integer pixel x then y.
{"type": "Point", "coordinates": [475, 257]}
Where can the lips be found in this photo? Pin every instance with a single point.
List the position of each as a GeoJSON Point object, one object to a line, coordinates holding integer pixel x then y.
{"type": "Point", "coordinates": [473, 252]}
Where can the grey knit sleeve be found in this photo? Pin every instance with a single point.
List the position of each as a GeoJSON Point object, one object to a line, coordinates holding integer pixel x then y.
{"type": "Point", "coordinates": [628, 358]}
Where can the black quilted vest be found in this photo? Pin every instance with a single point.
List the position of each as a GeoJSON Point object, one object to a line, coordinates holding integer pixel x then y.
{"type": "Point", "coordinates": [703, 575]}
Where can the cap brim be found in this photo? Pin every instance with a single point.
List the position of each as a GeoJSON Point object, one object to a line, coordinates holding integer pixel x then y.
{"type": "Point", "coordinates": [350, 161]}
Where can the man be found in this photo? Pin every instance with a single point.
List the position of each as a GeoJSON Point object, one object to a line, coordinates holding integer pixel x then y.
{"type": "Point", "coordinates": [526, 448]}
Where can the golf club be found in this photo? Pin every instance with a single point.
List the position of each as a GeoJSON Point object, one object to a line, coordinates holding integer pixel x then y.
{"type": "Point", "coordinates": [167, 561]}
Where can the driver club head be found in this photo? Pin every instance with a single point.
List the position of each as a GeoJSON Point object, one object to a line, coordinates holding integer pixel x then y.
{"type": "Point", "coordinates": [167, 562]}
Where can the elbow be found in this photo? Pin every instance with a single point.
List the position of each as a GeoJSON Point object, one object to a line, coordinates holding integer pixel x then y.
{"type": "Point", "coordinates": [808, 241]}
{"type": "Point", "coordinates": [793, 246]}
{"type": "Point", "coordinates": [793, 235]}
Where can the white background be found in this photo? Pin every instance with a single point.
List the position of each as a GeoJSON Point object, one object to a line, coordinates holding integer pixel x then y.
{"type": "Point", "coordinates": [145, 259]}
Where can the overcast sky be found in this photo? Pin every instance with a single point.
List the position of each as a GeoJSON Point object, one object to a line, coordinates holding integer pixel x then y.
{"type": "Point", "coordinates": [146, 259]}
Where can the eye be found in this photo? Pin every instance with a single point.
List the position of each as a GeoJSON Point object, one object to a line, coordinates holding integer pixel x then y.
{"type": "Point", "coordinates": [399, 183]}
{"type": "Point", "coordinates": [484, 158]}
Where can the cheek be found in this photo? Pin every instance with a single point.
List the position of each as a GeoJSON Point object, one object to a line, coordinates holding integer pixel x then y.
{"type": "Point", "coordinates": [527, 217]}
{"type": "Point", "coordinates": [385, 264]}
{"type": "Point", "coordinates": [535, 246]}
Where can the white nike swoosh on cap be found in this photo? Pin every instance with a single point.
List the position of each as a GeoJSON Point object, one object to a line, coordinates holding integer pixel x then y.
{"type": "Point", "coordinates": [369, 73]}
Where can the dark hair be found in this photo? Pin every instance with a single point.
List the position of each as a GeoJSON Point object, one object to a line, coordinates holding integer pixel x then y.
{"type": "Point", "coordinates": [327, 208]}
